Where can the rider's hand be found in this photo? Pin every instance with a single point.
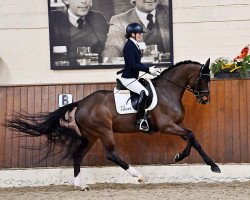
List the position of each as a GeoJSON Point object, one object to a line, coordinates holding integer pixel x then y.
{"type": "Point", "coordinates": [154, 71]}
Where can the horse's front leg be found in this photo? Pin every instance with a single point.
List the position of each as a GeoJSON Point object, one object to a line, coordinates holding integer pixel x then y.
{"type": "Point", "coordinates": [190, 137]}
{"type": "Point", "coordinates": [185, 153]}
{"type": "Point", "coordinates": [205, 157]}
{"type": "Point", "coordinates": [191, 141]}
{"type": "Point", "coordinates": [112, 155]}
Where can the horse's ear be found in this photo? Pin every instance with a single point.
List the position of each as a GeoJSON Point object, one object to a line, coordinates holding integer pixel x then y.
{"type": "Point", "coordinates": [208, 62]}
{"type": "Point", "coordinates": [205, 69]}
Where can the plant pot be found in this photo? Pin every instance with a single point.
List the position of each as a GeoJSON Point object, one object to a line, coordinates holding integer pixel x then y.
{"type": "Point", "coordinates": [227, 75]}
{"type": "Point", "coordinates": [248, 73]}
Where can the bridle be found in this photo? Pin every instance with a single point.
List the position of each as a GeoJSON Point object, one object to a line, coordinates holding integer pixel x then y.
{"type": "Point", "coordinates": [201, 78]}
{"type": "Point", "coordinates": [198, 93]}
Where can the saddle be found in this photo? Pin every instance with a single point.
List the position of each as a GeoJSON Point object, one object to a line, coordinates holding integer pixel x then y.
{"type": "Point", "coordinates": [126, 101]}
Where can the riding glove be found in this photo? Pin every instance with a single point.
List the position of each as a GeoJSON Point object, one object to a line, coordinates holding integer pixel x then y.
{"type": "Point", "coordinates": [154, 71]}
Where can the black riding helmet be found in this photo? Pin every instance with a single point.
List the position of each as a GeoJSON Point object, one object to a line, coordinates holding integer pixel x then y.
{"type": "Point", "coordinates": [133, 28]}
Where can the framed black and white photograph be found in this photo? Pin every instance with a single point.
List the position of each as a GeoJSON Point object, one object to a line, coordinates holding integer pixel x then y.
{"type": "Point", "coordinates": [90, 34]}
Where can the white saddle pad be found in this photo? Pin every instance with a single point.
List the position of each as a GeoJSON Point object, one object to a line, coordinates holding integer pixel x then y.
{"type": "Point", "coordinates": [123, 100]}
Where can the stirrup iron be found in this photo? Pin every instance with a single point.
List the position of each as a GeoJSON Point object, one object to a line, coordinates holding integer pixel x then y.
{"type": "Point", "coordinates": [142, 127]}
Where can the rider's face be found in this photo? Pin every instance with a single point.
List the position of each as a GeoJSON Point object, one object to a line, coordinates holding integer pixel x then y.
{"type": "Point", "coordinates": [146, 6]}
{"type": "Point", "coordinates": [79, 7]}
{"type": "Point", "coordinates": [138, 36]}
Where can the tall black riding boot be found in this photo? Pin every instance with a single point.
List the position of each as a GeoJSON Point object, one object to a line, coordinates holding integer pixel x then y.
{"type": "Point", "coordinates": [141, 121]}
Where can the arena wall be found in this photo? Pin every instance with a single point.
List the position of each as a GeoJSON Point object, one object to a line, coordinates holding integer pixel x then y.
{"type": "Point", "coordinates": [222, 128]}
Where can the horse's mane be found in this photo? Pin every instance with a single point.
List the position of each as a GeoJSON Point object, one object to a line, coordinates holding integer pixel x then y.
{"type": "Point", "coordinates": [183, 62]}
{"type": "Point", "coordinates": [179, 64]}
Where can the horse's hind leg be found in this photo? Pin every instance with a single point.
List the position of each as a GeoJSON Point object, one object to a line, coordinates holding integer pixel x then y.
{"type": "Point", "coordinates": [78, 156]}
{"type": "Point", "coordinates": [112, 155]}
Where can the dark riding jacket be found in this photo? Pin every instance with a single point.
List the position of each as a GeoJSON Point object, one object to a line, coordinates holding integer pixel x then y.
{"type": "Point", "coordinates": [132, 58]}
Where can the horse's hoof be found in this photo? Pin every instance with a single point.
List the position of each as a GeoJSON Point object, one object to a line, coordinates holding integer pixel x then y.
{"type": "Point", "coordinates": [215, 169]}
{"type": "Point", "coordinates": [177, 157]}
{"type": "Point", "coordinates": [85, 188]}
{"type": "Point", "coordinates": [141, 179]}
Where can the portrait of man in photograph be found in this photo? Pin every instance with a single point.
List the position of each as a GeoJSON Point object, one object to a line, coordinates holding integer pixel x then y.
{"type": "Point", "coordinates": [74, 28]}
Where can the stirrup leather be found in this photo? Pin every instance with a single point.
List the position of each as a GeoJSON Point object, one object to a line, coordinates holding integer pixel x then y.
{"type": "Point", "coordinates": [142, 126]}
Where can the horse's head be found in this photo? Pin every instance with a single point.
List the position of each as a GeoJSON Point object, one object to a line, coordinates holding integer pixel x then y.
{"type": "Point", "coordinates": [201, 86]}
{"type": "Point", "coordinates": [194, 77]}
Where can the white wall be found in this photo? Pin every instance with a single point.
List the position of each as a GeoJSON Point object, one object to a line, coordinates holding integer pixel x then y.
{"type": "Point", "coordinates": [202, 29]}
{"type": "Point", "coordinates": [210, 28]}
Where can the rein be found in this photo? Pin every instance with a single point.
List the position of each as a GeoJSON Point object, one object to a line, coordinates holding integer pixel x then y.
{"type": "Point", "coordinates": [195, 92]}
{"type": "Point", "coordinates": [184, 87]}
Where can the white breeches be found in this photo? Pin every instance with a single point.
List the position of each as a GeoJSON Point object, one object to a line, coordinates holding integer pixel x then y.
{"type": "Point", "coordinates": [133, 85]}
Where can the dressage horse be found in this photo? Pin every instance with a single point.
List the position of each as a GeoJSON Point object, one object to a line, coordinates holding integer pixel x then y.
{"type": "Point", "coordinates": [96, 117]}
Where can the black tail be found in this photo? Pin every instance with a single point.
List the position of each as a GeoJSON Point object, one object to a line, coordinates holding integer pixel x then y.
{"type": "Point", "coordinates": [48, 124]}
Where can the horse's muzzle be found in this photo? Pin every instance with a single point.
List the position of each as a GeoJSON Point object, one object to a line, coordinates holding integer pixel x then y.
{"type": "Point", "coordinates": [203, 99]}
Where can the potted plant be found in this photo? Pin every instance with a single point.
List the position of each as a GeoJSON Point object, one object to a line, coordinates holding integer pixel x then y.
{"type": "Point", "coordinates": [238, 67]}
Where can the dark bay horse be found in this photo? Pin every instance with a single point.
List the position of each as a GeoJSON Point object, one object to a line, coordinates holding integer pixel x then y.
{"type": "Point", "coordinates": [96, 117]}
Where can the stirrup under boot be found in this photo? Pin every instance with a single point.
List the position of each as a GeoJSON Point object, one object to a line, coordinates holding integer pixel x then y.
{"type": "Point", "coordinates": [143, 125]}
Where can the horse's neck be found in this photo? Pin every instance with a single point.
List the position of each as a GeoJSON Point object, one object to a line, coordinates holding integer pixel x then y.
{"type": "Point", "coordinates": [173, 82]}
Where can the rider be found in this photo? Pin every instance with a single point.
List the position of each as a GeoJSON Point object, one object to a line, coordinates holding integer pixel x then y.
{"type": "Point", "coordinates": [130, 73]}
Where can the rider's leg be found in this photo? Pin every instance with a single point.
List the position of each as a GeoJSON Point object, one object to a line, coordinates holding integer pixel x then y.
{"type": "Point", "coordinates": [135, 86]}
{"type": "Point", "coordinates": [141, 121]}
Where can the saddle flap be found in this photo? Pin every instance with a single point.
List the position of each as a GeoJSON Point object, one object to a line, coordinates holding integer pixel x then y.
{"type": "Point", "coordinates": [126, 101]}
